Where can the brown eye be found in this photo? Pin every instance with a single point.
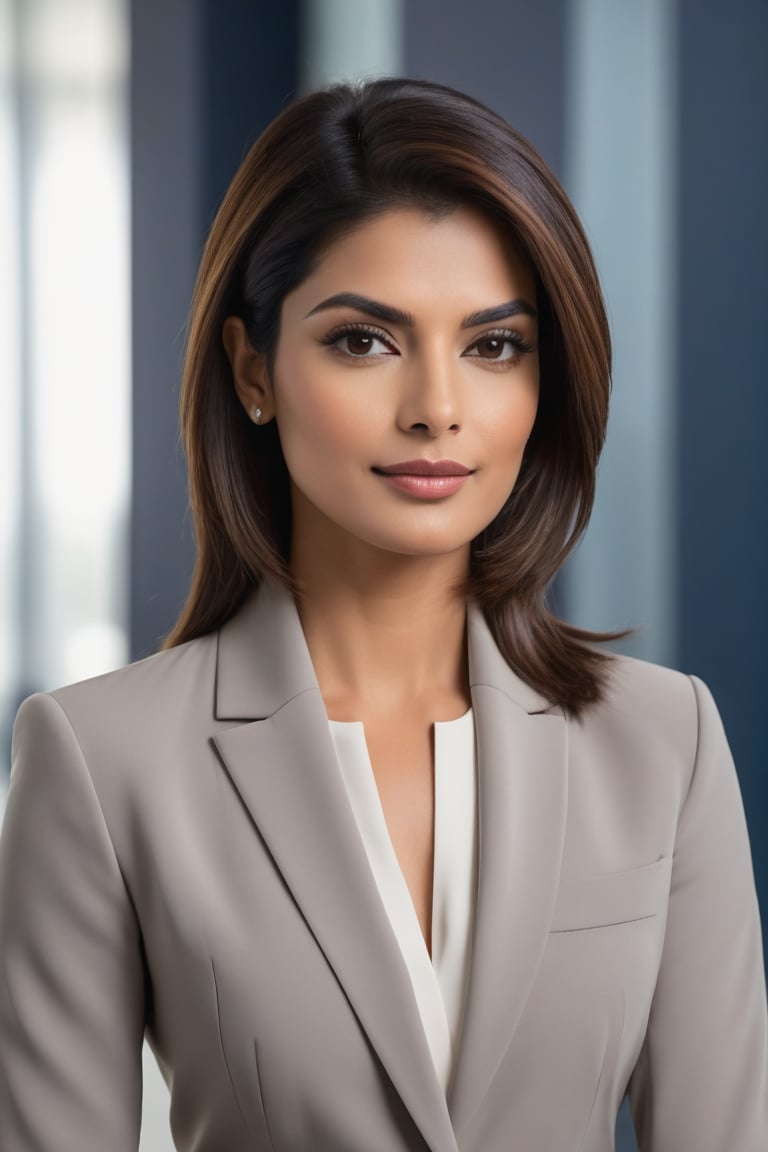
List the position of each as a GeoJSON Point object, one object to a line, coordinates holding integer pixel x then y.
{"type": "Point", "coordinates": [491, 347]}
{"type": "Point", "coordinates": [498, 348]}
{"type": "Point", "coordinates": [359, 343]}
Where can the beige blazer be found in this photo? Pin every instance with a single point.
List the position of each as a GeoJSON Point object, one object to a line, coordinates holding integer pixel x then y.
{"type": "Point", "coordinates": [180, 858]}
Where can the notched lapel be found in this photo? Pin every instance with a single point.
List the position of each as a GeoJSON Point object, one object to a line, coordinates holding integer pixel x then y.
{"type": "Point", "coordinates": [284, 768]}
{"type": "Point", "coordinates": [522, 805]}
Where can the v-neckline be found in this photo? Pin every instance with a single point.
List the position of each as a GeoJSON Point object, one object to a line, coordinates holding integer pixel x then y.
{"type": "Point", "coordinates": [453, 739]}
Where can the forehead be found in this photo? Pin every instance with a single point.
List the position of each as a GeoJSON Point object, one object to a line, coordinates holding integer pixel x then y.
{"type": "Point", "coordinates": [409, 256]}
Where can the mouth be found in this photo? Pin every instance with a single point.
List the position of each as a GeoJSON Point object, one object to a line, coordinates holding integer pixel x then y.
{"type": "Point", "coordinates": [425, 479]}
{"type": "Point", "coordinates": [424, 468]}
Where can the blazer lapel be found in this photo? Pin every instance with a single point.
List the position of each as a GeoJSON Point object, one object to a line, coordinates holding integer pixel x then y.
{"type": "Point", "coordinates": [522, 801]}
{"type": "Point", "coordinates": [284, 767]}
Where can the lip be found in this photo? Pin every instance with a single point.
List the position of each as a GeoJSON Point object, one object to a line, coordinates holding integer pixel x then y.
{"type": "Point", "coordinates": [424, 468]}
{"type": "Point", "coordinates": [425, 479]}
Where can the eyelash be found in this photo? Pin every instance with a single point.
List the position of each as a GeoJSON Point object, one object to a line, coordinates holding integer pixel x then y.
{"type": "Point", "coordinates": [337, 334]}
{"type": "Point", "coordinates": [521, 346]}
{"type": "Point", "coordinates": [332, 339]}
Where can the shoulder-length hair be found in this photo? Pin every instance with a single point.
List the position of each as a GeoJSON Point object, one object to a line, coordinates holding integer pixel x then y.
{"type": "Point", "coordinates": [329, 161]}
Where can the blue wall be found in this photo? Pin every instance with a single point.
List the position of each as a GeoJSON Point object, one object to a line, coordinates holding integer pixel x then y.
{"type": "Point", "coordinates": [723, 379]}
{"type": "Point", "coordinates": [207, 76]}
{"type": "Point", "coordinates": [511, 56]}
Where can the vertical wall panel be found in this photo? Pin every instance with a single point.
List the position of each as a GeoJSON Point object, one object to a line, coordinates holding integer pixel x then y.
{"type": "Point", "coordinates": [723, 379]}
{"type": "Point", "coordinates": [166, 147]}
{"type": "Point", "coordinates": [250, 72]}
{"type": "Point", "coordinates": [207, 77]}
{"type": "Point", "coordinates": [620, 174]}
{"type": "Point", "coordinates": [510, 55]}
{"type": "Point", "coordinates": [349, 39]}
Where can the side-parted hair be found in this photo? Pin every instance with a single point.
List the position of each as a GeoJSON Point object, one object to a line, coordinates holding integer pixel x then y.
{"type": "Point", "coordinates": [331, 160]}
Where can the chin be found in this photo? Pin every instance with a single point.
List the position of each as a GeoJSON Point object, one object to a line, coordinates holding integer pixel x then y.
{"type": "Point", "coordinates": [423, 546]}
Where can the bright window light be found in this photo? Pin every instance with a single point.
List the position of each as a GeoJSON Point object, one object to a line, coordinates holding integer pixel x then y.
{"type": "Point", "coordinates": [64, 344]}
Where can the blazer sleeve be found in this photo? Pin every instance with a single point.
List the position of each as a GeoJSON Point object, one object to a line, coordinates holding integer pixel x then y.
{"type": "Point", "coordinates": [71, 971]}
{"type": "Point", "coordinates": [702, 1078]}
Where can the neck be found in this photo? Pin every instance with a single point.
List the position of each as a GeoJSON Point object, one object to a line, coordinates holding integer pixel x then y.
{"type": "Point", "coordinates": [386, 632]}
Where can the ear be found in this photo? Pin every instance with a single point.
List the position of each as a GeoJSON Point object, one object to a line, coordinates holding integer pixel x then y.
{"type": "Point", "coordinates": [249, 369]}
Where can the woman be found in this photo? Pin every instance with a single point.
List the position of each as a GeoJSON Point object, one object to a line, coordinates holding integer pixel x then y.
{"type": "Point", "coordinates": [377, 852]}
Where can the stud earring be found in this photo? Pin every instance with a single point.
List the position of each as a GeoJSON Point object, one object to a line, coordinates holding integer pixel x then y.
{"type": "Point", "coordinates": [255, 415]}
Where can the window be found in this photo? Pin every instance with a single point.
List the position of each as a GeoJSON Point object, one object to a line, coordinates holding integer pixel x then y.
{"type": "Point", "coordinates": [64, 345]}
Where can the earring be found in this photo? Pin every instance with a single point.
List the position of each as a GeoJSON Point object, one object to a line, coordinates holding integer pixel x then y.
{"type": "Point", "coordinates": [255, 415]}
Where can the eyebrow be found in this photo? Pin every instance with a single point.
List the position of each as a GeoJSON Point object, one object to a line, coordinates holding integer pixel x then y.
{"type": "Point", "coordinates": [392, 315]}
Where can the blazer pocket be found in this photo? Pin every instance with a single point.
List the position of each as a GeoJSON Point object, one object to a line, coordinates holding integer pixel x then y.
{"type": "Point", "coordinates": [612, 897]}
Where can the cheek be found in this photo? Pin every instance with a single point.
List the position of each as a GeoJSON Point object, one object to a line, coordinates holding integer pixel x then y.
{"type": "Point", "coordinates": [509, 422]}
{"type": "Point", "coordinates": [317, 417]}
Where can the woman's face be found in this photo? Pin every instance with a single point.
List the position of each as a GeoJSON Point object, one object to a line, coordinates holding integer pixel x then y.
{"type": "Point", "coordinates": [405, 385]}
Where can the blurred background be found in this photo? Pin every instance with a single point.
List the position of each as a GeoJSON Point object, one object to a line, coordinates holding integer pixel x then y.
{"type": "Point", "coordinates": [121, 125]}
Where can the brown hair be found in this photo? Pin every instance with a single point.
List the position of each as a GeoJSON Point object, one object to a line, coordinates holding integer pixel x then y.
{"type": "Point", "coordinates": [330, 160]}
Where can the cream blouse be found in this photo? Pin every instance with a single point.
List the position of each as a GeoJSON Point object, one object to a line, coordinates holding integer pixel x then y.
{"type": "Point", "coordinates": [439, 983]}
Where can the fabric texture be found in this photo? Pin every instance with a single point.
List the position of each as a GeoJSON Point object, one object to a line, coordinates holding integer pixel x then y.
{"type": "Point", "coordinates": [179, 858]}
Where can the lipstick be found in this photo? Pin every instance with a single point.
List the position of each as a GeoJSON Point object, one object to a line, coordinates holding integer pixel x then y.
{"type": "Point", "coordinates": [426, 479]}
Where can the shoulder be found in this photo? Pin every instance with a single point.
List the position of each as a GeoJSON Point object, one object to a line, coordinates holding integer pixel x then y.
{"type": "Point", "coordinates": [168, 683]}
{"type": "Point", "coordinates": [129, 726]}
{"type": "Point", "coordinates": [636, 757]}
{"type": "Point", "coordinates": [649, 716]}
{"type": "Point", "coordinates": [649, 691]}
{"type": "Point", "coordinates": [637, 691]}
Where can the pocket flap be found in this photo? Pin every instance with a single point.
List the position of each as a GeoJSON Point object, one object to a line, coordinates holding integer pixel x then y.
{"type": "Point", "coordinates": [612, 897]}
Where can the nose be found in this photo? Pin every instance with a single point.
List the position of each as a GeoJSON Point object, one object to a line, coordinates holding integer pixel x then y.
{"type": "Point", "coordinates": [431, 397]}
